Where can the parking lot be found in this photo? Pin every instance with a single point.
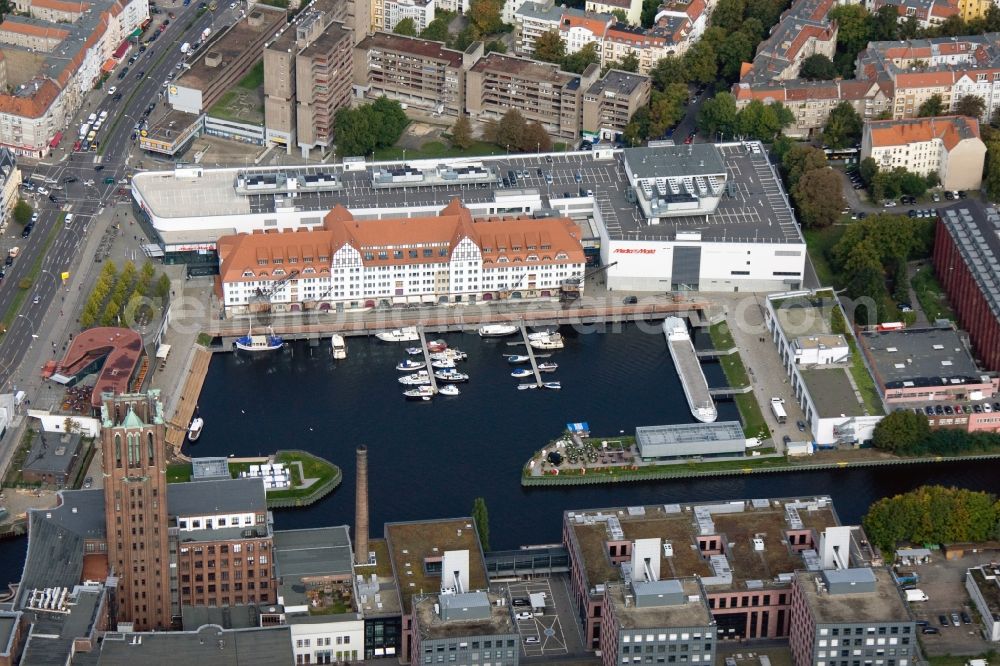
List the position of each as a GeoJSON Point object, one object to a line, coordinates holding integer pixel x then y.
{"type": "Point", "coordinates": [942, 580]}
{"type": "Point", "coordinates": [543, 630]}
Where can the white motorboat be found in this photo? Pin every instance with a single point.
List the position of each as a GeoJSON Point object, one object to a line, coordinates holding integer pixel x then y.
{"type": "Point", "coordinates": [451, 376]}
{"type": "Point", "coordinates": [542, 335]}
{"type": "Point", "coordinates": [547, 367]}
{"type": "Point", "coordinates": [408, 334]}
{"type": "Point", "coordinates": [424, 393]}
{"type": "Point", "coordinates": [448, 389]}
{"type": "Point", "coordinates": [525, 387]}
{"type": "Point", "coordinates": [413, 351]}
{"type": "Point", "coordinates": [437, 346]}
{"type": "Point", "coordinates": [555, 386]}
{"type": "Point", "coordinates": [443, 364]}
{"type": "Point", "coordinates": [339, 346]}
{"type": "Point", "coordinates": [257, 343]}
{"type": "Point", "coordinates": [497, 330]}
{"type": "Point", "coordinates": [416, 378]}
{"type": "Point", "coordinates": [407, 364]}
{"type": "Point", "coordinates": [514, 359]}
{"type": "Point", "coordinates": [449, 354]}
{"type": "Point", "coordinates": [197, 425]}
{"type": "Point", "coordinates": [551, 342]}
{"type": "Point", "coordinates": [521, 372]}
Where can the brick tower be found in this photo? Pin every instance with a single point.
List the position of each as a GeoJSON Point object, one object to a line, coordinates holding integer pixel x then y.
{"type": "Point", "coordinates": [361, 508]}
{"type": "Point", "coordinates": [135, 506]}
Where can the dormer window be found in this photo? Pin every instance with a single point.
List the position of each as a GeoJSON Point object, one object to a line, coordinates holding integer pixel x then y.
{"type": "Point", "coordinates": [278, 260]}
{"type": "Point", "coordinates": [532, 257]}
{"type": "Point", "coordinates": [502, 260]}
{"type": "Point", "coordinates": [248, 274]}
{"type": "Point", "coordinates": [262, 262]}
{"type": "Point", "coordinates": [561, 256]}
{"type": "Point", "coordinates": [308, 271]}
{"type": "Point", "coordinates": [279, 272]}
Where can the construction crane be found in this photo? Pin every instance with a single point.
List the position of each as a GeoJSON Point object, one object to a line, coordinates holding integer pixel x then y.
{"type": "Point", "coordinates": [569, 289]}
{"type": "Point", "coordinates": [260, 302]}
{"type": "Point", "coordinates": [505, 293]}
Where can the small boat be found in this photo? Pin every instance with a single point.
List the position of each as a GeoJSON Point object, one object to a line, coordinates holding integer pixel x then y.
{"type": "Point", "coordinates": [443, 364]}
{"type": "Point", "coordinates": [552, 342]}
{"type": "Point", "coordinates": [451, 376]}
{"type": "Point", "coordinates": [542, 335]}
{"type": "Point", "coordinates": [413, 351]}
{"type": "Point", "coordinates": [437, 346]}
{"type": "Point", "coordinates": [525, 387]}
{"type": "Point", "coordinates": [497, 330]}
{"type": "Point", "coordinates": [449, 354]}
{"type": "Point", "coordinates": [194, 432]}
{"type": "Point", "coordinates": [514, 359]}
{"type": "Point", "coordinates": [521, 372]}
{"type": "Point", "coordinates": [408, 334]}
{"type": "Point", "coordinates": [547, 367]}
{"type": "Point", "coordinates": [257, 343]}
{"type": "Point", "coordinates": [407, 364]}
{"type": "Point", "coordinates": [449, 389]}
{"type": "Point", "coordinates": [555, 386]}
{"type": "Point", "coordinates": [339, 346]}
{"type": "Point", "coordinates": [416, 378]}
{"type": "Point", "coordinates": [424, 393]}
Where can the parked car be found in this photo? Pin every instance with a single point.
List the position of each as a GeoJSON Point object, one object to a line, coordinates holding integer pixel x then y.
{"type": "Point", "coordinates": [930, 630]}
{"type": "Point", "coordinates": [531, 640]}
{"type": "Point", "coordinates": [519, 601]}
{"type": "Point", "coordinates": [966, 618]}
{"type": "Point", "coordinates": [955, 621]}
{"type": "Point", "coordinates": [950, 196]}
{"type": "Point", "coordinates": [112, 90]}
{"type": "Point", "coordinates": [943, 619]}
{"type": "Point", "coordinates": [525, 615]}
{"type": "Point", "coordinates": [88, 482]}
{"type": "Point", "coordinates": [630, 300]}
{"type": "Point", "coordinates": [935, 197]}
{"type": "Point", "coordinates": [801, 426]}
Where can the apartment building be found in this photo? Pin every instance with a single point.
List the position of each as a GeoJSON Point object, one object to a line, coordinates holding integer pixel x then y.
{"type": "Point", "coordinates": [946, 145]}
{"type": "Point", "coordinates": [10, 182]}
{"type": "Point", "coordinates": [927, 13]}
{"type": "Point", "coordinates": [803, 31]}
{"type": "Point", "coordinates": [966, 247]}
{"type": "Point", "coordinates": [632, 9]}
{"type": "Point", "coordinates": [540, 91]}
{"type": "Point", "coordinates": [49, 59]}
{"type": "Point", "coordinates": [425, 75]}
{"type": "Point", "coordinates": [307, 67]}
{"type": "Point", "coordinates": [389, 13]}
{"type": "Point", "coordinates": [576, 27]}
{"type": "Point", "coordinates": [973, 9]}
{"type": "Point", "coordinates": [446, 258]}
{"type": "Point", "coordinates": [609, 104]}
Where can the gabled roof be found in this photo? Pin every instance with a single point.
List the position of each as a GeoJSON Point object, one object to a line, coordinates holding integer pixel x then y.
{"type": "Point", "coordinates": [950, 130]}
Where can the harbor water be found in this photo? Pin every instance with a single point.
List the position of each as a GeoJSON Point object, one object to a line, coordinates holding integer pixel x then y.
{"type": "Point", "coordinates": [431, 460]}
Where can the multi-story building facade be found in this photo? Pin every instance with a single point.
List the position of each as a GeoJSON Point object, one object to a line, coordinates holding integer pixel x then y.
{"type": "Point", "coordinates": [973, 9]}
{"type": "Point", "coordinates": [981, 584]}
{"type": "Point", "coordinates": [803, 31]}
{"type": "Point", "coordinates": [632, 9]}
{"type": "Point", "coordinates": [948, 146]}
{"type": "Point", "coordinates": [133, 447]}
{"type": "Point", "coordinates": [927, 13]}
{"type": "Point", "coordinates": [609, 104]}
{"type": "Point", "coordinates": [323, 86]}
{"type": "Point", "coordinates": [577, 28]}
{"type": "Point", "coordinates": [541, 92]}
{"type": "Point", "coordinates": [419, 73]}
{"type": "Point", "coordinates": [10, 182]}
{"type": "Point", "coordinates": [840, 616]}
{"type": "Point", "coordinates": [421, 12]}
{"type": "Point", "coordinates": [966, 248]}
{"type": "Point", "coordinates": [355, 263]}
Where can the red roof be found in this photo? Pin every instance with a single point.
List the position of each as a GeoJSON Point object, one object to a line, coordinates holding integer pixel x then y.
{"type": "Point", "coordinates": [121, 349]}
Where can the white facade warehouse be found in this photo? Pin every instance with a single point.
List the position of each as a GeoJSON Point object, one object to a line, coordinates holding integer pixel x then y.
{"type": "Point", "coordinates": [702, 217]}
{"type": "Point", "coordinates": [688, 440]}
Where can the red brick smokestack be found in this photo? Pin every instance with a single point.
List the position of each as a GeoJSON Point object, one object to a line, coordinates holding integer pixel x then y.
{"type": "Point", "coordinates": [361, 508]}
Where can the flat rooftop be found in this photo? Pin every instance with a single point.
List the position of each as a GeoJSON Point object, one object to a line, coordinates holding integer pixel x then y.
{"type": "Point", "coordinates": [986, 580]}
{"type": "Point", "coordinates": [52, 453]}
{"type": "Point", "coordinates": [322, 553]}
{"type": "Point", "coordinates": [617, 81]}
{"type": "Point", "coordinates": [412, 545]}
{"type": "Point", "coordinates": [804, 316]}
{"type": "Point", "coordinates": [431, 626]}
{"type": "Point", "coordinates": [755, 211]}
{"type": "Point", "coordinates": [387, 41]}
{"type": "Point", "coordinates": [532, 70]}
{"type": "Point", "coordinates": [676, 524]}
{"type": "Point", "coordinates": [885, 604]}
{"type": "Point", "coordinates": [832, 392]}
{"type": "Point", "coordinates": [975, 228]}
{"type": "Point", "coordinates": [688, 614]}
{"type": "Point", "coordinates": [920, 357]}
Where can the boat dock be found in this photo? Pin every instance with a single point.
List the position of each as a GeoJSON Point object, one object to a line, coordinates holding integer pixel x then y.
{"type": "Point", "coordinates": [531, 355]}
{"type": "Point", "coordinates": [689, 370]}
{"type": "Point", "coordinates": [177, 425]}
{"type": "Point", "coordinates": [427, 359]}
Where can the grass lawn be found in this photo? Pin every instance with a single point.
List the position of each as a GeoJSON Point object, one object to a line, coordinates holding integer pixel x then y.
{"type": "Point", "coordinates": [931, 296]}
{"type": "Point", "coordinates": [820, 242]}
{"type": "Point", "coordinates": [178, 472]}
{"type": "Point", "coordinates": [254, 78]}
{"type": "Point", "coordinates": [736, 373]}
{"type": "Point", "coordinates": [433, 149]}
{"type": "Point", "coordinates": [864, 381]}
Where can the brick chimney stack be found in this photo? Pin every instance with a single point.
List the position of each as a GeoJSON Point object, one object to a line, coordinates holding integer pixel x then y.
{"type": "Point", "coordinates": [361, 508]}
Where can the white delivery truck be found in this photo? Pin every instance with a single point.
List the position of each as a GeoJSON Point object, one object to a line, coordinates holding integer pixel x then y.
{"type": "Point", "coordinates": [84, 129]}
{"type": "Point", "coordinates": [185, 47]}
{"type": "Point", "coordinates": [205, 33]}
{"type": "Point", "coordinates": [778, 408]}
{"type": "Point", "coordinates": [916, 595]}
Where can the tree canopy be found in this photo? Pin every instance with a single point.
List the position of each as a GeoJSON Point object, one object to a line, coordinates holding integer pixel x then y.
{"type": "Point", "coordinates": [817, 67]}
{"type": "Point", "coordinates": [22, 212]}
{"type": "Point", "coordinates": [901, 432]}
{"type": "Point", "coordinates": [362, 129]}
{"type": "Point", "coordinates": [932, 106]}
{"type": "Point", "coordinates": [407, 27]}
{"type": "Point", "coordinates": [481, 516]}
{"type": "Point", "coordinates": [461, 132]}
{"type": "Point", "coordinates": [843, 127]}
{"type": "Point", "coordinates": [819, 197]}
{"type": "Point", "coordinates": [485, 15]}
{"type": "Point", "coordinates": [550, 47]}
{"type": "Point", "coordinates": [436, 30]}
{"type": "Point", "coordinates": [971, 105]}
{"type": "Point", "coordinates": [763, 121]}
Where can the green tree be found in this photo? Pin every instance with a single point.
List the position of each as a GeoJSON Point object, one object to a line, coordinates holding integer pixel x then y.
{"type": "Point", "coordinates": [762, 121]}
{"type": "Point", "coordinates": [535, 139]}
{"type": "Point", "coordinates": [23, 212]}
{"type": "Point", "coordinates": [754, 29]}
{"type": "Point", "coordinates": [163, 286]}
{"type": "Point", "coordinates": [550, 47]}
{"type": "Point", "coordinates": [843, 127]}
{"type": "Point", "coordinates": [854, 31]}
{"type": "Point", "coordinates": [485, 15]}
{"type": "Point", "coordinates": [932, 106]}
{"type": "Point", "coordinates": [866, 281]}
{"type": "Point", "coordinates": [495, 46]}
{"type": "Point", "coordinates": [464, 38]}
{"type": "Point", "coordinates": [578, 62]}
{"type": "Point", "coordinates": [728, 14]}
{"type": "Point", "coordinates": [867, 170]}
{"type": "Point", "coordinates": [819, 197]}
{"type": "Point", "coordinates": [630, 63]}
{"type": "Point", "coordinates": [766, 12]}
{"type": "Point", "coordinates": [620, 14]}
{"type": "Point", "coordinates": [436, 30]}
{"type": "Point", "coordinates": [992, 171]}
{"type": "Point", "coordinates": [971, 105]}
{"type": "Point", "coordinates": [461, 132]}
{"type": "Point", "coordinates": [732, 53]}
{"type": "Point", "coordinates": [817, 67]}
{"type": "Point", "coordinates": [718, 115]}
{"type": "Point", "coordinates": [407, 27]}
{"type": "Point", "coordinates": [666, 109]}
{"type": "Point", "coordinates": [481, 516]}
{"type": "Point", "coordinates": [800, 159]}
{"type": "Point", "coordinates": [885, 27]}
{"type": "Point", "coordinates": [511, 130]}
{"type": "Point", "coordinates": [699, 63]}
{"type": "Point", "coordinates": [900, 432]}
{"type": "Point", "coordinates": [355, 138]}
{"type": "Point", "coordinates": [637, 129]}
{"type": "Point", "coordinates": [901, 282]}
{"type": "Point", "coordinates": [671, 70]}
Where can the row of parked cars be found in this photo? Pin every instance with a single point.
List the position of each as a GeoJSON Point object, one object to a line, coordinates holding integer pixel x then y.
{"type": "Point", "coordinates": [977, 408]}
{"type": "Point", "coordinates": [956, 619]}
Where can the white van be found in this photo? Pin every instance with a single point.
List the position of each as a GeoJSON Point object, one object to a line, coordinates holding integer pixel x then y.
{"type": "Point", "coordinates": [916, 595]}
{"type": "Point", "coordinates": [69, 220]}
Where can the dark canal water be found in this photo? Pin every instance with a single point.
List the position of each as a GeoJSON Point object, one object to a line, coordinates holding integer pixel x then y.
{"type": "Point", "coordinates": [430, 460]}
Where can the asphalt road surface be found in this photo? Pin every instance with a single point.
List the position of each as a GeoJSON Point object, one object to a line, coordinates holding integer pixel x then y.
{"type": "Point", "coordinates": [81, 177]}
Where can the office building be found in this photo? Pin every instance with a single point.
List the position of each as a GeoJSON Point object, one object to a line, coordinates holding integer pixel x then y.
{"type": "Point", "coordinates": [981, 584]}
{"type": "Point", "coordinates": [844, 615]}
{"type": "Point", "coordinates": [948, 146]}
{"type": "Point", "coordinates": [422, 74]}
{"type": "Point", "coordinates": [966, 251]}
{"type": "Point", "coordinates": [351, 263]}
{"type": "Point", "coordinates": [610, 103]}
{"type": "Point", "coordinates": [541, 92]}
